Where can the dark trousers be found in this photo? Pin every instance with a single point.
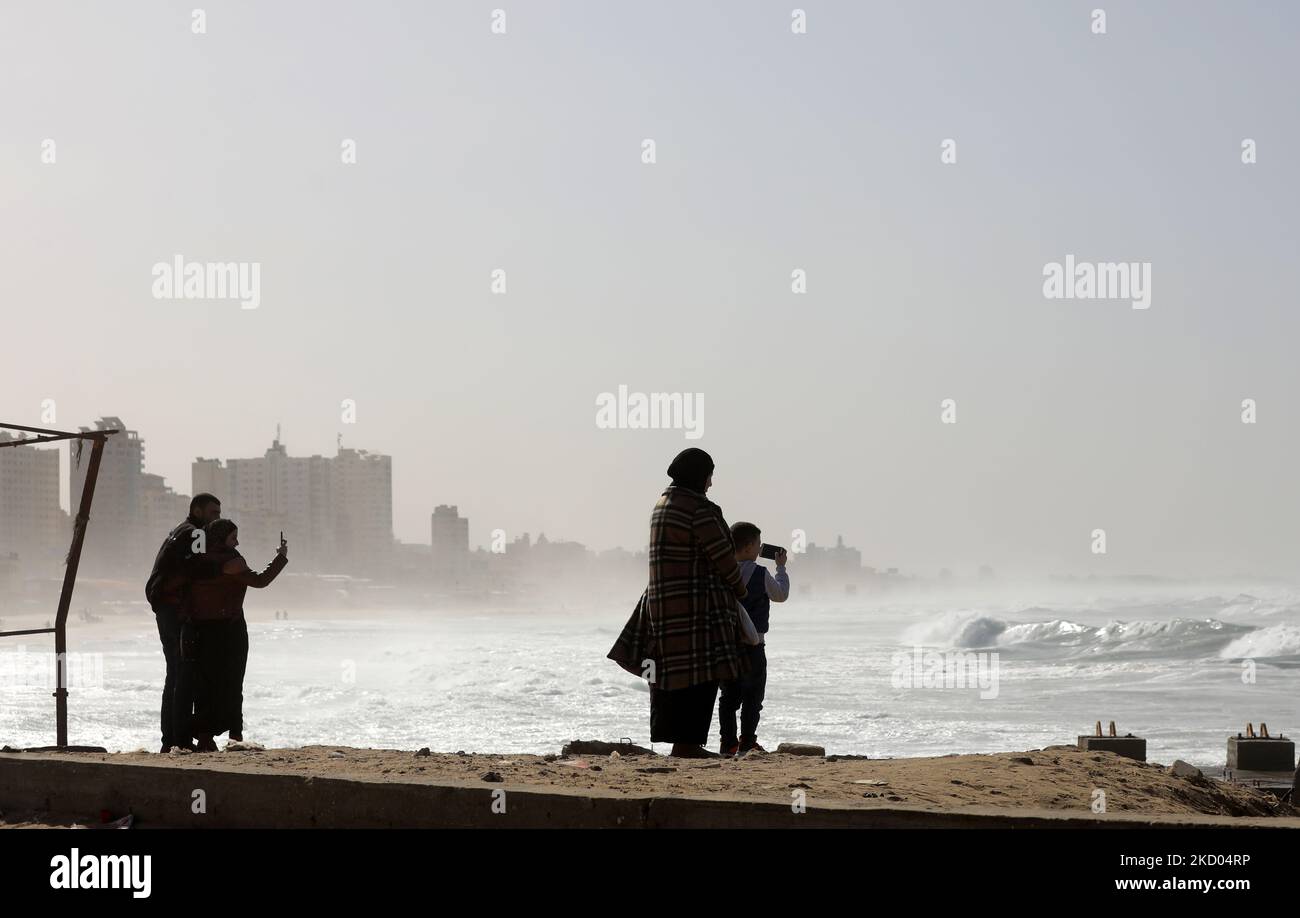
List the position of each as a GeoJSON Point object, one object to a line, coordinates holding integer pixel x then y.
{"type": "Point", "coordinates": [215, 656]}
{"type": "Point", "coordinates": [239, 666]}
{"type": "Point", "coordinates": [682, 715]}
{"type": "Point", "coordinates": [745, 695]}
{"type": "Point", "coordinates": [169, 634]}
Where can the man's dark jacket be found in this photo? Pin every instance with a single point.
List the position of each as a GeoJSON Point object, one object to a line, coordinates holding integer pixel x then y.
{"type": "Point", "coordinates": [172, 569]}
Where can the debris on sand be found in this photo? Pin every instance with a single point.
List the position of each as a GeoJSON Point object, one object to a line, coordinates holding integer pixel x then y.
{"type": "Point", "coordinates": [601, 748]}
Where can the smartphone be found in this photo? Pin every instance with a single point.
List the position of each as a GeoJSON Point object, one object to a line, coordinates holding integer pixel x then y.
{"type": "Point", "coordinates": [769, 551]}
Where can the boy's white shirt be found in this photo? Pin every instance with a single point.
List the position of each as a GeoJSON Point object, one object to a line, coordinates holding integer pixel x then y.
{"type": "Point", "coordinates": [776, 591]}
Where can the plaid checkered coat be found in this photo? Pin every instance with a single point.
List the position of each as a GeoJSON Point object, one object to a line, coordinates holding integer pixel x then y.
{"type": "Point", "coordinates": [686, 621]}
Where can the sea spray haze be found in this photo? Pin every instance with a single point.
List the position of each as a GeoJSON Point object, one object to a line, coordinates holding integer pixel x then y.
{"type": "Point", "coordinates": [1180, 665]}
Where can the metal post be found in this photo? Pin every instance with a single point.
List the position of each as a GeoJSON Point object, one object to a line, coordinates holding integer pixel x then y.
{"type": "Point", "coordinates": [65, 597]}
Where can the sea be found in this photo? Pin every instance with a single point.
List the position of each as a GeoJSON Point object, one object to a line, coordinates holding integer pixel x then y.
{"type": "Point", "coordinates": [909, 673]}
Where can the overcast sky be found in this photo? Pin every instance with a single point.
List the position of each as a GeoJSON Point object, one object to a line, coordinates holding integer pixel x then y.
{"type": "Point", "coordinates": [775, 151]}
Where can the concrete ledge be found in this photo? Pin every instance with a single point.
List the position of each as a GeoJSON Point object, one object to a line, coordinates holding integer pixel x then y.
{"type": "Point", "coordinates": [162, 796]}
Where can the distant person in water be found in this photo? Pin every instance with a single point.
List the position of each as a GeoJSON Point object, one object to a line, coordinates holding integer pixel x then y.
{"type": "Point", "coordinates": [168, 591]}
{"type": "Point", "coordinates": [684, 636]}
{"type": "Point", "coordinates": [746, 693]}
{"type": "Point", "coordinates": [215, 638]}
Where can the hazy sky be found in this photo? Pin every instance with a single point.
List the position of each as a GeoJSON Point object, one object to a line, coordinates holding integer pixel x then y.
{"type": "Point", "coordinates": [775, 151]}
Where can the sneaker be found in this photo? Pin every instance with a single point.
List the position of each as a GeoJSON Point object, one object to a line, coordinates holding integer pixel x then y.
{"type": "Point", "coordinates": [729, 750]}
{"type": "Point", "coordinates": [752, 746]}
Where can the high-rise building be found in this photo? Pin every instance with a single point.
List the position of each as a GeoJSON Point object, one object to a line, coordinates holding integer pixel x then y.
{"type": "Point", "coordinates": [450, 533]}
{"type": "Point", "coordinates": [115, 530]}
{"type": "Point", "coordinates": [161, 507]}
{"type": "Point", "coordinates": [132, 511]}
{"type": "Point", "coordinates": [361, 494]}
{"type": "Point", "coordinates": [336, 513]}
{"type": "Point", "coordinates": [32, 524]}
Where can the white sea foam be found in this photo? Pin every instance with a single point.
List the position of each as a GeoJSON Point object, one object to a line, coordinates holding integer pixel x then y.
{"type": "Point", "coordinates": [1161, 664]}
{"type": "Point", "coordinates": [1281, 640]}
{"type": "Point", "coordinates": [972, 630]}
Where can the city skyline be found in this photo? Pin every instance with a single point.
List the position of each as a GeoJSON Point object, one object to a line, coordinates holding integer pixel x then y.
{"type": "Point", "coordinates": [134, 507]}
{"type": "Point", "coordinates": [149, 507]}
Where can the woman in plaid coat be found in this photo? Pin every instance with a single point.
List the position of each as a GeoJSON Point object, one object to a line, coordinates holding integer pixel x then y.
{"type": "Point", "coordinates": [684, 636]}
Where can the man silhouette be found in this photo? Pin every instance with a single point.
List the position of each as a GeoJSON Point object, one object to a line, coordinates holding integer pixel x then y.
{"type": "Point", "coordinates": [166, 591]}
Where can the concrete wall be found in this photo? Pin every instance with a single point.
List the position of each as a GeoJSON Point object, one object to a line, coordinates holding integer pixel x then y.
{"type": "Point", "coordinates": [162, 795]}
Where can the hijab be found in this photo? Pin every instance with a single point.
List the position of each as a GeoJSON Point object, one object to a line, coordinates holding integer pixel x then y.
{"type": "Point", "coordinates": [217, 532]}
{"type": "Point", "coordinates": [691, 469]}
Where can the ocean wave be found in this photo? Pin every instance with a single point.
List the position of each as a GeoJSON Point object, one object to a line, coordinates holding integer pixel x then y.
{"type": "Point", "coordinates": [1244, 605]}
{"type": "Point", "coordinates": [1281, 640]}
{"type": "Point", "coordinates": [1185, 637]}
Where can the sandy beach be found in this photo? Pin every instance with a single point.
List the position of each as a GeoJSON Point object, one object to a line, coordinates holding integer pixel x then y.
{"type": "Point", "coordinates": [1057, 778]}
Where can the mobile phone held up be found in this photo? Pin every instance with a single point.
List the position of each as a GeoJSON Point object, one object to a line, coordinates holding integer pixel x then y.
{"type": "Point", "coordinates": [769, 551]}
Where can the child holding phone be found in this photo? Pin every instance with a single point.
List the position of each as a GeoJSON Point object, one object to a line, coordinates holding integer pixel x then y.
{"type": "Point", "coordinates": [746, 693]}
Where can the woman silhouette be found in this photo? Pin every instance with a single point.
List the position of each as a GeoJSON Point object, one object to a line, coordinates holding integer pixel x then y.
{"type": "Point", "coordinates": [684, 636]}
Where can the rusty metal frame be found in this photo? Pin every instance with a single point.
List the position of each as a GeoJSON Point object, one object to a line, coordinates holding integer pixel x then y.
{"type": "Point", "coordinates": [60, 629]}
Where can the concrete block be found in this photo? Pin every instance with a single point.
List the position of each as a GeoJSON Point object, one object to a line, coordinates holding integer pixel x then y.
{"type": "Point", "coordinates": [1133, 747]}
{"type": "Point", "coordinates": [1260, 753]}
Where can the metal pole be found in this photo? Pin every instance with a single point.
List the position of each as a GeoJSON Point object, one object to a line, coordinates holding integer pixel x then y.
{"type": "Point", "coordinates": [65, 597]}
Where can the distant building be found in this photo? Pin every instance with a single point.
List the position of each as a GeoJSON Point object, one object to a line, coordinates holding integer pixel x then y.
{"type": "Point", "coordinates": [558, 554]}
{"type": "Point", "coordinates": [450, 533]}
{"type": "Point", "coordinates": [839, 562]}
{"type": "Point", "coordinates": [539, 565]}
{"type": "Point", "coordinates": [361, 498]}
{"type": "Point", "coordinates": [161, 507]}
{"type": "Point", "coordinates": [410, 562]}
{"type": "Point", "coordinates": [32, 524]}
{"type": "Point", "coordinates": [132, 511]}
{"type": "Point", "coordinates": [336, 513]}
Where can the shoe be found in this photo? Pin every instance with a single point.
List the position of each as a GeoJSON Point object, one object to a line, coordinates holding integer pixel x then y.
{"type": "Point", "coordinates": [206, 744]}
{"type": "Point", "coordinates": [691, 752]}
{"type": "Point", "coordinates": [235, 737]}
{"type": "Point", "coordinates": [751, 746]}
{"type": "Point", "coordinates": [729, 750]}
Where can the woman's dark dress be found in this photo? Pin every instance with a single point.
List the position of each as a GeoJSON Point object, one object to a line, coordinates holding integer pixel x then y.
{"type": "Point", "coordinates": [215, 639]}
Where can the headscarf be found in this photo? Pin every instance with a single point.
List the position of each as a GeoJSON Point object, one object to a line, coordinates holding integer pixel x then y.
{"type": "Point", "coordinates": [691, 469]}
{"type": "Point", "coordinates": [217, 532]}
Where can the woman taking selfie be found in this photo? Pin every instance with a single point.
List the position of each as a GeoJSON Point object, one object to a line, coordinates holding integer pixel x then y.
{"type": "Point", "coordinates": [215, 639]}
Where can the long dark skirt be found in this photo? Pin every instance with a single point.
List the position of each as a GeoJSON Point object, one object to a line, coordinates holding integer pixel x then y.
{"type": "Point", "coordinates": [682, 715]}
{"type": "Point", "coordinates": [241, 651]}
{"type": "Point", "coordinates": [220, 654]}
